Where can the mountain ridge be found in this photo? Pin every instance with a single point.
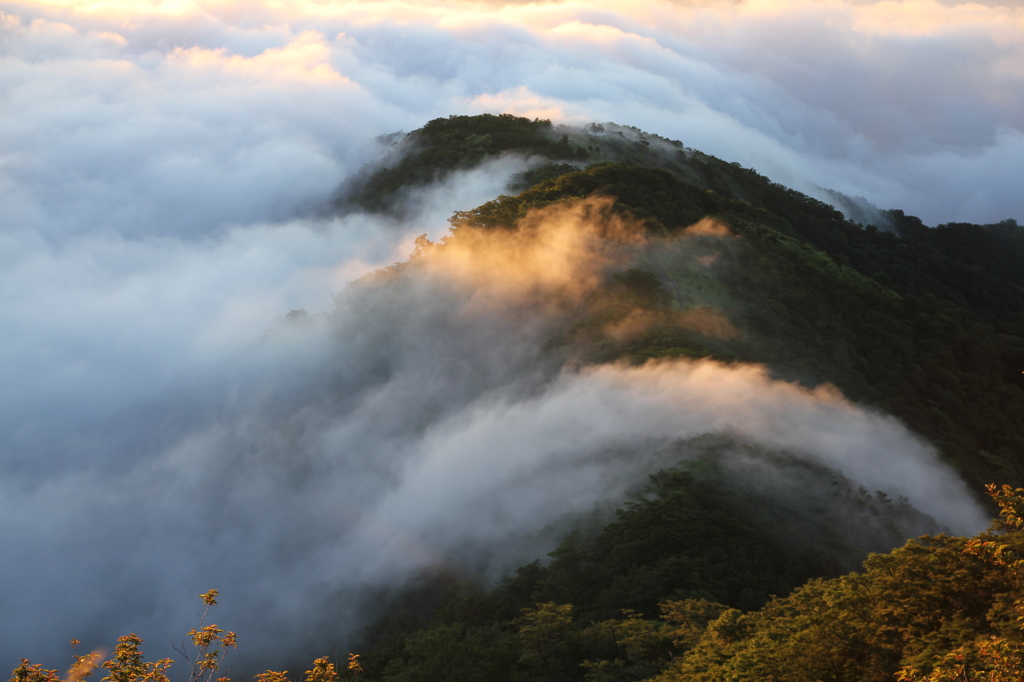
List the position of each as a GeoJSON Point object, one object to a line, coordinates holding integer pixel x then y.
{"type": "Point", "coordinates": [966, 304]}
{"type": "Point", "coordinates": [903, 318]}
{"type": "Point", "coordinates": [755, 381]}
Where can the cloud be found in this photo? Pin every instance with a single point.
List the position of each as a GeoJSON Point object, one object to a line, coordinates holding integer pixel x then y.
{"type": "Point", "coordinates": [164, 167]}
{"type": "Point", "coordinates": [225, 112]}
{"type": "Point", "coordinates": [423, 421]}
{"type": "Point", "coordinates": [100, 321]}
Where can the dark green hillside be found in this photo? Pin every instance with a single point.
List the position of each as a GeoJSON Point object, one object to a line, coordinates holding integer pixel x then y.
{"type": "Point", "coordinates": [910, 608]}
{"type": "Point", "coordinates": [447, 144]}
{"type": "Point", "coordinates": [939, 608]}
{"type": "Point", "coordinates": [704, 537]}
{"type": "Point", "coordinates": [922, 323]}
{"type": "Point", "coordinates": [976, 267]}
{"type": "Point", "coordinates": [916, 351]}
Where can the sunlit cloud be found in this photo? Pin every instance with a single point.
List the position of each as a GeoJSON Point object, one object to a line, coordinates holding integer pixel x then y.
{"type": "Point", "coordinates": [851, 95]}
{"type": "Point", "coordinates": [307, 58]}
{"type": "Point", "coordinates": [521, 102]}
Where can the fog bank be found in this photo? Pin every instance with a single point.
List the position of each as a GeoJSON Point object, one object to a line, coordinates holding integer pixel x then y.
{"type": "Point", "coordinates": [423, 421]}
{"type": "Point", "coordinates": [170, 421]}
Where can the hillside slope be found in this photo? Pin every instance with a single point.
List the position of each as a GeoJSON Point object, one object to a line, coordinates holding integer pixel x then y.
{"type": "Point", "coordinates": [923, 323]}
{"type": "Point", "coordinates": [714, 261]}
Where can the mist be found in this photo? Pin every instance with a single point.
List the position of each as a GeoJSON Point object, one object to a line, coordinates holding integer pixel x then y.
{"type": "Point", "coordinates": [423, 422]}
{"type": "Point", "coordinates": [184, 403]}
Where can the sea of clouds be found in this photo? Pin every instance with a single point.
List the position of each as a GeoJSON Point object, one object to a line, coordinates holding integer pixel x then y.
{"type": "Point", "coordinates": [165, 167]}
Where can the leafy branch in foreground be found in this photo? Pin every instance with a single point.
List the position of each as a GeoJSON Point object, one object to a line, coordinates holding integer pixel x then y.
{"type": "Point", "coordinates": [80, 669]}
{"type": "Point", "coordinates": [994, 659]}
{"type": "Point", "coordinates": [211, 644]}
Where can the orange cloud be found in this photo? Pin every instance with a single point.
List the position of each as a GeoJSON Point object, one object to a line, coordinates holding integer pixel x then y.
{"type": "Point", "coordinates": [556, 256]}
{"type": "Point", "coordinates": [707, 227]}
{"type": "Point", "coordinates": [304, 59]}
{"type": "Point", "coordinates": [707, 322]}
{"type": "Point", "coordinates": [522, 102]}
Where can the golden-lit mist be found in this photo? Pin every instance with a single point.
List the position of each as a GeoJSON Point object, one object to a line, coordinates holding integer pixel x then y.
{"type": "Point", "coordinates": [708, 227]}
{"type": "Point", "coordinates": [84, 666]}
{"type": "Point", "coordinates": [556, 260]}
{"type": "Point", "coordinates": [557, 254]}
{"type": "Point", "coordinates": [703, 321]}
{"type": "Point", "coordinates": [707, 322]}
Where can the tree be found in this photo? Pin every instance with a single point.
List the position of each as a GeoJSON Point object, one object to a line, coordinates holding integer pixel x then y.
{"type": "Point", "coordinates": [210, 646]}
{"type": "Point", "coordinates": [992, 658]}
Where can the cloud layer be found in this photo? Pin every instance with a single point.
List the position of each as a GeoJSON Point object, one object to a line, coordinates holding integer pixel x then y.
{"type": "Point", "coordinates": [422, 422]}
{"type": "Point", "coordinates": [167, 427]}
{"type": "Point", "coordinates": [180, 116]}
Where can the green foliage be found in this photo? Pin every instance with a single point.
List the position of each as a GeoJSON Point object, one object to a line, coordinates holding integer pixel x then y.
{"type": "Point", "coordinates": [907, 607]}
{"type": "Point", "coordinates": [455, 653]}
{"type": "Point", "coordinates": [641, 288]}
{"type": "Point", "coordinates": [447, 144]}
{"type": "Point", "coordinates": [619, 604]}
{"type": "Point", "coordinates": [546, 639]}
{"type": "Point", "coordinates": [995, 657]}
{"type": "Point", "coordinates": [127, 664]}
{"type": "Point", "coordinates": [550, 171]}
{"type": "Point", "coordinates": [905, 611]}
{"type": "Point", "coordinates": [688, 619]}
{"type": "Point", "coordinates": [628, 647]}
{"type": "Point", "coordinates": [938, 609]}
{"type": "Point", "coordinates": [647, 194]}
{"type": "Point", "coordinates": [33, 672]}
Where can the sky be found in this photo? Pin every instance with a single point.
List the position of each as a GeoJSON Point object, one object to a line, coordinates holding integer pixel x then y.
{"type": "Point", "coordinates": [164, 172]}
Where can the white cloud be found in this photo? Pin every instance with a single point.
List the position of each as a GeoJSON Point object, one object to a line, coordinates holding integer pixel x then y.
{"type": "Point", "coordinates": [162, 171]}
{"type": "Point", "coordinates": [165, 435]}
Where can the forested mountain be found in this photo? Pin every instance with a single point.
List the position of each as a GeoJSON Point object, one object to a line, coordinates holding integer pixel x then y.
{"type": "Point", "coordinates": [751, 553]}
{"type": "Point", "coordinates": [918, 322]}
{"type": "Point", "coordinates": [923, 323]}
